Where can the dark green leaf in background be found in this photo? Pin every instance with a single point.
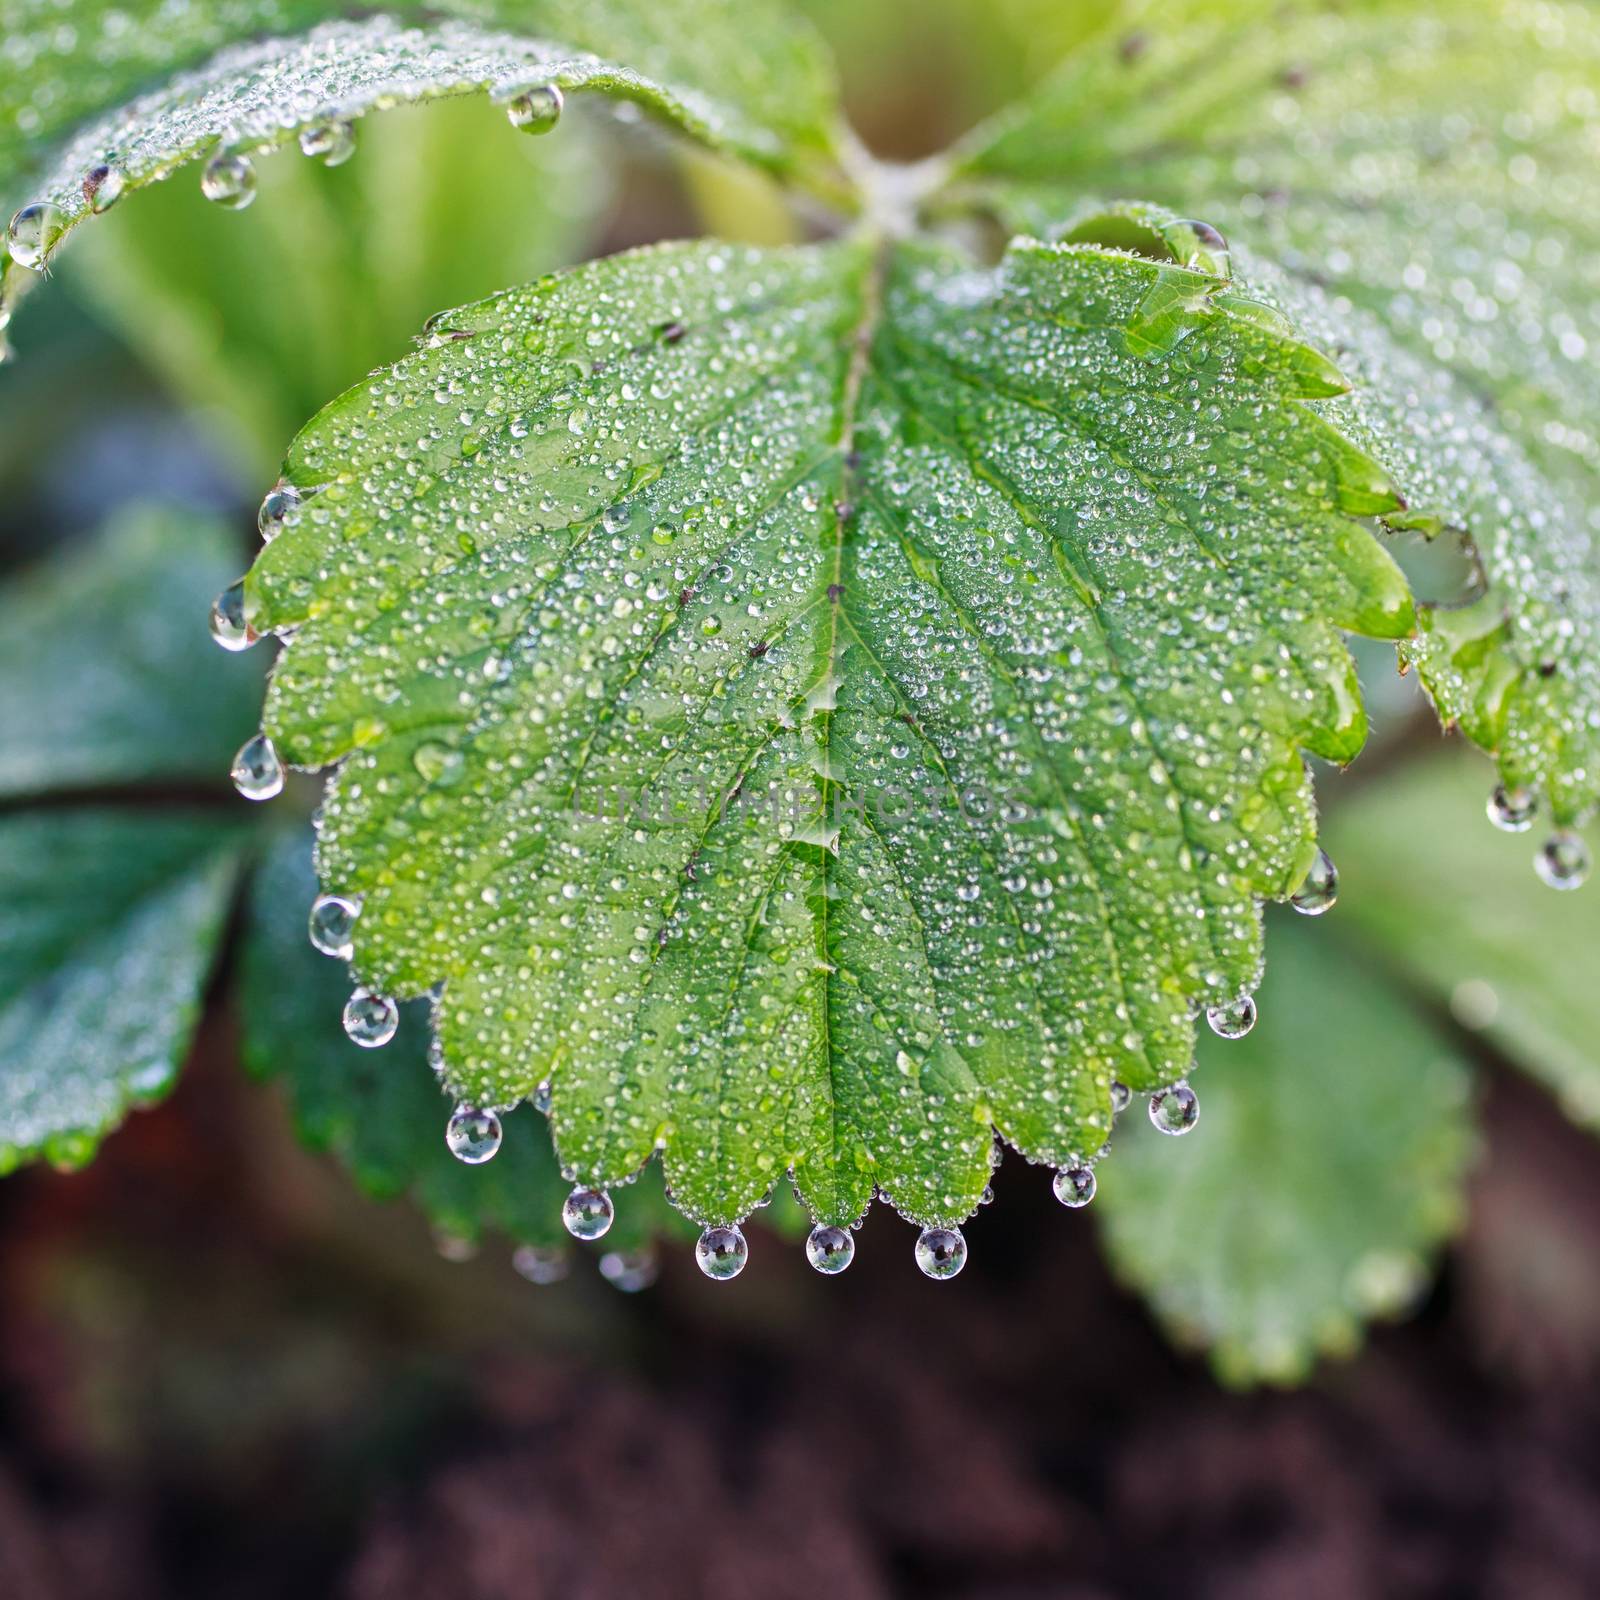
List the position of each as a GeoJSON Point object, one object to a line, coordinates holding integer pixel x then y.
{"type": "Point", "coordinates": [1327, 1169]}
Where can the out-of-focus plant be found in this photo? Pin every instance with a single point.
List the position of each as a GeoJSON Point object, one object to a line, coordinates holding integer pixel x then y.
{"type": "Point", "coordinates": [814, 712]}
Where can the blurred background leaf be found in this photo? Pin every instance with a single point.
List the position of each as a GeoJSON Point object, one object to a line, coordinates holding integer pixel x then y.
{"type": "Point", "coordinates": [108, 676]}
{"type": "Point", "coordinates": [112, 925]}
{"type": "Point", "coordinates": [1327, 1167]}
{"type": "Point", "coordinates": [1453, 907]}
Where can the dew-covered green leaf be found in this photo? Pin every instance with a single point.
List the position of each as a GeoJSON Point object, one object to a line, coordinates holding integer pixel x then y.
{"type": "Point", "coordinates": [819, 707]}
{"type": "Point", "coordinates": [1326, 1170]}
{"type": "Point", "coordinates": [382, 1112]}
{"type": "Point", "coordinates": [739, 75]}
{"type": "Point", "coordinates": [1453, 906]}
{"type": "Point", "coordinates": [1423, 174]}
{"type": "Point", "coordinates": [108, 678]}
{"type": "Point", "coordinates": [110, 928]}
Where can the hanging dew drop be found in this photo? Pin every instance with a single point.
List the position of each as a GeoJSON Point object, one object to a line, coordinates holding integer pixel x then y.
{"type": "Point", "coordinates": [1121, 1097]}
{"type": "Point", "coordinates": [941, 1252]}
{"type": "Point", "coordinates": [1512, 810]}
{"type": "Point", "coordinates": [1074, 1187]}
{"type": "Point", "coordinates": [257, 773]}
{"type": "Point", "coordinates": [722, 1252]}
{"type": "Point", "coordinates": [103, 186]}
{"type": "Point", "coordinates": [541, 1264]}
{"type": "Point", "coordinates": [229, 181]}
{"type": "Point", "coordinates": [228, 625]}
{"type": "Point", "coordinates": [331, 143]}
{"type": "Point", "coordinates": [1235, 1020]}
{"type": "Point", "coordinates": [536, 110]}
{"type": "Point", "coordinates": [830, 1250]}
{"type": "Point", "coordinates": [587, 1213]}
{"type": "Point", "coordinates": [629, 1270]}
{"type": "Point", "coordinates": [1321, 887]}
{"type": "Point", "coordinates": [540, 1099]}
{"type": "Point", "coordinates": [281, 502]}
{"type": "Point", "coordinates": [33, 234]}
{"type": "Point", "coordinates": [332, 925]}
{"type": "Point", "coordinates": [370, 1019]}
{"type": "Point", "coordinates": [1562, 861]}
{"type": "Point", "coordinates": [1175, 1110]}
{"type": "Point", "coordinates": [472, 1135]}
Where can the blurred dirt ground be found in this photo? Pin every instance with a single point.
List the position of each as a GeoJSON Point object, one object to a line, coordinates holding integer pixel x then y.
{"type": "Point", "coordinates": [224, 1374]}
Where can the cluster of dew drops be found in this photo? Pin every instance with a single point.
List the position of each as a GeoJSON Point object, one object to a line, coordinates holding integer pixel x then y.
{"type": "Point", "coordinates": [473, 1134]}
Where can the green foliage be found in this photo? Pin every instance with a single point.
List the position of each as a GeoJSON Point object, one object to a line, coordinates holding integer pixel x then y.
{"type": "Point", "coordinates": [105, 678]}
{"type": "Point", "coordinates": [1455, 911]}
{"type": "Point", "coordinates": [383, 1112]}
{"type": "Point", "coordinates": [819, 526]}
{"type": "Point", "coordinates": [817, 709]}
{"type": "Point", "coordinates": [261, 315]}
{"type": "Point", "coordinates": [1420, 173]}
{"type": "Point", "coordinates": [1328, 1168]}
{"type": "Point", "coordinates": [111, 923]}
{"type": "Point", "coordinates": [737, 75]}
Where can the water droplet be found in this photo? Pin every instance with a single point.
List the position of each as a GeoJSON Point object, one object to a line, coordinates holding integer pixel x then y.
{"type": "Point", "coordinates": [1512, 810]}
{"type": "Point", "coordinates": [540, 1099]}
{"type": "Point", "coordinates": [629, 1270]}
{"type": "Point", "coordinates": [722, 1252]}
{"type": "Point", "coordinates": [1235, 1020]}
{"type": "Point", "coordinates": [1074, 1186]}
{"type": "Point", "coordinates": [1321, 888]}
{"type": "Point", "coordinates": [1121, 1097]}
{"type": "Point", "coordinates": [438, 763]}
{"type": "Point", "coordinates": [331, 143]}
{"type": "Point", "coordinates": [1174, 1110]}
{"type": "Point", "coordinates": [33, 234]}
{"type": "Point", "coordinates": [1562, 861]}
{"type": "Point", "coordinates": [103, 186]}
{"type": "Point", "coordinates": [229, 181]}
{"type": "Point", "coordinates": [281, 501]}
{"type": "Point", "coordinates": [333, 921]}
{"type": "Point", "coordinates": [540, 1263]}
{"type": "Point", "coordinates": [370, 1019]}
{"type": "Point", "coordinates": [536, 110]}
{"type": "Point", "coordinates": [587, 1213]}
{"type": "Point", "coordinates": [228, 626]}
{"type": "Point", "coordinates": [257, 772]}
{"type": "Point", "coordinates": [472, 1135]}
{"type": "Point", "coordinates": [830, 1250]}
{"type": "Point", "coordinates": [941, 1252]}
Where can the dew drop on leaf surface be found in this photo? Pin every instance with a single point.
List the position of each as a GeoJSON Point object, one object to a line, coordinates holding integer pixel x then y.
{"type": "Point", "coordinates": [1562, 862]}
{"type": "Point", "coordinates": [1074, 1186]}
{"type": "Point", "coordinates": [257, 772]}
{"type": "Point", "coordinates": [1320, 890]}
{"type": "Point", "coordinates": [535, 110]}
{"type": "Point", "coordinates": [332, 925]}
{"type": "Point", "coordinates": [941, 1252]}
{"type": "Point", "coordinates": [1512, 809]}
{"type": "Point", "coordinates": [1175, 1110]}
{"type": "Point", "coordinates": [473, 1135]}
{"type": "Point", "coordinates": [1235, 1020]}
{"type": "Point", "coordinates": [370, 1020]}
{"type": "Point", "coordinates": [33, 234]}
{"type": "Point", "coordinates": [228, 625]}
{"type": "Point", "coordinates": [587, 1213]}
{"type": "Point", "coordinates": [830, 1250]}
{"type": "Point", "coordinates": [721, 1253]}
{"type": "Point", "coordinates": [229, 181]}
